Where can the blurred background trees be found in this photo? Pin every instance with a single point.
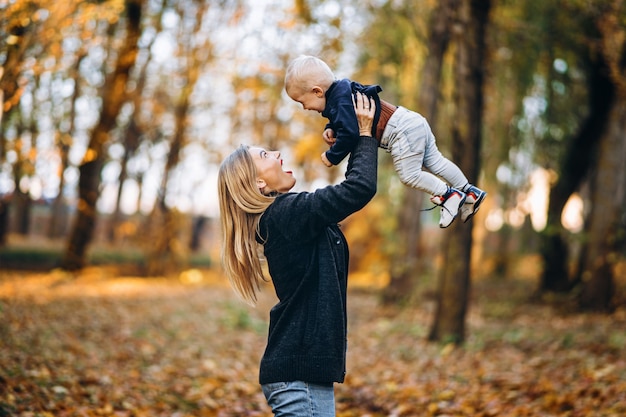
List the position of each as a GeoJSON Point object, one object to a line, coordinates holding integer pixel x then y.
{"type": "Point", "coordinates": [116, 114]}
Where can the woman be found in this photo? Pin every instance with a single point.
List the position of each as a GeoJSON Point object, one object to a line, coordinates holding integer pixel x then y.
{"type": "Point", "coordinates": [307, 258]}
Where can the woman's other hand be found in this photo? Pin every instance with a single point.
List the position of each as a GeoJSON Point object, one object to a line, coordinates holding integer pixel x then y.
{"type": "Point", "coordinates": [364, 107]}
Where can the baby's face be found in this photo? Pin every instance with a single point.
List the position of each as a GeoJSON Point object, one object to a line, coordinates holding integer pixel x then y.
{"type": "Point", "coordinates": [313, 99]}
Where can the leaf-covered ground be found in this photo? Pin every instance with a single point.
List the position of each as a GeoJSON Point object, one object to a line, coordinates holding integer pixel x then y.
{"type": "Point", "coordinates": [100, 345]}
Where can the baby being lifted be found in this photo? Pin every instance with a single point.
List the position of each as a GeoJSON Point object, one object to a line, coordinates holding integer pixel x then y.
{"type": "Point", "coordinates": [403, 133]}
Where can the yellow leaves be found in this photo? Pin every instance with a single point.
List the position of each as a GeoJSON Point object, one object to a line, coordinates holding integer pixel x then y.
{"type": "Point", "coordinates": [90, 155]}
{"type": "Point", "coordinates": [368, 255]}
{"type": "Point", "coordinates": [603, 371]}
{"type": "Point", "coordinates": [237, 16]}
{"type": "Point", "coordinates": [446, 395]}
{"type": "Point", "coordinates": [308, 147]}
{"type": "Point", "coordinates": [12, 40]}
{"type": "Point", "coordinates": [101, 345]}
{"type": "Point", "coordinates": [12, 101]}
{"type": "Point", "coordinates": [375, 280]}
{"type": "Point", "coordinates": [288, 24]}
{"type": "Point", "coordinates": [303, 11]}
{"type": "Point", "coordinates": [191, 276]}
{"type": "Point", "coordinates": [109, 10]}
{"type": "Point", "coordinates": [447, 349]}
{"type": "Point", "coordinates": [54, 48]}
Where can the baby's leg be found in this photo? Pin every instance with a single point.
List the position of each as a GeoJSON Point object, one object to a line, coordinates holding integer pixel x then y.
{"type": "Point", "coordinates": [435, 162]}
{"type": "Point", "coordinates": [413, 149]}
{"type": "Point", "coordinates": [441, 166]}
{"type": "Point", "coordinates": [407, 151]}
{"type": "Point", "coordinates": [410, 173]}
{"type": "Point", "coordinates": [449, 199]}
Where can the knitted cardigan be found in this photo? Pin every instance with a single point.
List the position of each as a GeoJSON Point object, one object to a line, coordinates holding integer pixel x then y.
{"type": "Point", "coordinates": [307, 257]}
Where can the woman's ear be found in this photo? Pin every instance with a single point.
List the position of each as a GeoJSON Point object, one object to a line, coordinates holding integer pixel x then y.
{"type": "Point", "coordinates": [260, 182]}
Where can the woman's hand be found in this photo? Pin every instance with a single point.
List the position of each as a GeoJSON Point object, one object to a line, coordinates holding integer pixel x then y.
{"type": "Point", "coordinates": [364, 107]}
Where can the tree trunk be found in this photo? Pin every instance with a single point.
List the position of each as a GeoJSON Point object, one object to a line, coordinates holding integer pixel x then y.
{"type": "Point", "coordinates": [166, 250]}
{"type": "Point", "coordinates": [5, 202]}
{"type": "Point", "coordinates": [454, 284]}
{"type": "Point", "coordinates": [59, 215]}
{"type": "Point", "coordinates": [405, 262]}
{"type": "Point", "coordinates": [164, 237]}
{"type": "Point", "coordinates": [113, 97]}
{"type": "Point", "coordinates": [22, 204]}
{"type": "Point", "coordinates": [605, 231]}
{"type": "Point", "coordinates": [574, 168]}
{"type": "Point", "coordinates": [136, 128]}
{"type": "Point", "coordinates": [58, 210]}
{"type": "Point", "coordinates": [22, 169]}
{"type": "Point", "coordinates": [10, 95]}
{"type": "Point", "coordinates": [4, 220]}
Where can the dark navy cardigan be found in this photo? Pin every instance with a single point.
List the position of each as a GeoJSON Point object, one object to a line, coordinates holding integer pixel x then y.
{"type": "Point", "coordinates": [307, 257]}
{"type": "Point", "coordinates": [341, 117]}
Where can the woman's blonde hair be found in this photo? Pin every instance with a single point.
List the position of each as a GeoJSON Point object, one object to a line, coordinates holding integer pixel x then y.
{"type": "Point", "coordinates": [306, 71]}
{"type": "Point", "coordinates": [241, 206]}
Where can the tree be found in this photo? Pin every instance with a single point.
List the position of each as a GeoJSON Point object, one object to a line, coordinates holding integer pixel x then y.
{"type": "Point", "coordinates": [405, 263]}
{"type": "Point", "coordinates": [37, 45]}
{"type": "Point", "coordinates": [23, 168]}
{"type": "Point", "coordinates": [454, 281]}
{"type": "Point", "coordinates": [578, 157]}
{"type": "Point", "coordinates": [580, 109]}
{"type": "Point", "coordinates": [113, 96]}
{"type": "Point", "coordinates": [64, 141]}
{"type": "Point", "coordinates": [21, 22]}
{"type": "Point", "coordinates": [393, 47]}
{"type": "Point", "coordinates": [606, 229]}
{"type": "Point", "coordinates": [137, 127]}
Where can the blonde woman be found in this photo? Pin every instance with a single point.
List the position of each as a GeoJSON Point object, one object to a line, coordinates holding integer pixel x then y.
{"type": "Point", "coordinates": [307, 258]}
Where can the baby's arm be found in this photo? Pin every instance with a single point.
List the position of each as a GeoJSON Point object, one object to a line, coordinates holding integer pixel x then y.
{"type": "Point", "coordinates": [345, 129]}
{"type": "Point", "coordinates": [325, 160]}
{"type": "Point", "coordinates": [346, 142]}
{"type": "Point", "coordinates": [329, 136]}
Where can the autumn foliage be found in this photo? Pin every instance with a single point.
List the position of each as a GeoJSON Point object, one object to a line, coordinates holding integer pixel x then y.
{"type": "Point", "coordinates": [96, 344]}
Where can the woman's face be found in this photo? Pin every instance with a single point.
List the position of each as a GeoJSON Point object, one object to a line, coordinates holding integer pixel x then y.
{"type": "Point", "coordinates": [271, 176]}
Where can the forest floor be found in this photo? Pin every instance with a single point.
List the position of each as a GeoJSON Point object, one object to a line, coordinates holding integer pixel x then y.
{"type": "Point", "coordinates": [99, 344]}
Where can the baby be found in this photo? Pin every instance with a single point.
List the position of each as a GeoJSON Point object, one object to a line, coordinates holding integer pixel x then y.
{"type": "Point", "coordinates": [402, 132]}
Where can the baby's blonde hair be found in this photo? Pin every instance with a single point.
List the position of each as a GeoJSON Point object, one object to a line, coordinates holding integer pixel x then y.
{"type": "Point", "coordinates": [305, 72]}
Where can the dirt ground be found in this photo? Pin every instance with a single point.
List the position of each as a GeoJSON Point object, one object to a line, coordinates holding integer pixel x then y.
{"type": "Point", "coordinates": [98, 344]}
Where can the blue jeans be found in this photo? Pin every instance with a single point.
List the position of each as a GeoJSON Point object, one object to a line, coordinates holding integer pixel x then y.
{"type": "Point", "coordinates": [300, 399]}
